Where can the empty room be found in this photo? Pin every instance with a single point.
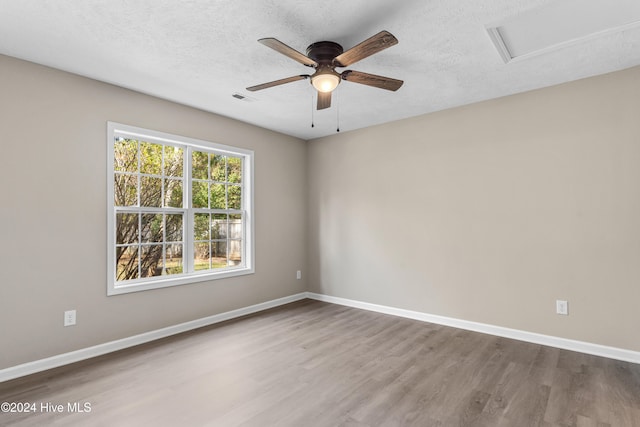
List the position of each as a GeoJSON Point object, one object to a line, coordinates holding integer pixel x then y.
{"type": "Point", "coordinates": [296, 213]}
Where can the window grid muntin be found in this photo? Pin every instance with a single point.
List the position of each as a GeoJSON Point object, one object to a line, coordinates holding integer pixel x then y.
{"type": "Point", "coordinates": [228, 235]}
{"type": "Point", "coordinates": [162, 176]}
{"type": "Point", "coordinates": [209, 181]}
{"type": "Point", "coordinates": [140, 243]}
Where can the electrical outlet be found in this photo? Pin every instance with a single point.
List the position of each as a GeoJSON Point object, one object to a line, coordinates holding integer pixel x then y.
{"type": "Point", "coordinates": [562, 307]}
{"type": "Point", "coordinates": [69, 318]}
{"type": "Point", "coordinates": [299, 275]}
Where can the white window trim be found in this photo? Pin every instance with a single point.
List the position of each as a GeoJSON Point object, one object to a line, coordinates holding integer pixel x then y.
{"type": "Point", "coordinates": [115, 288]}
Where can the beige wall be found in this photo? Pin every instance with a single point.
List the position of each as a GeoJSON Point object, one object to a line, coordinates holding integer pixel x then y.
{"type": "Point", "coordinates": [486, 213]}
{"type": "Point", "coordinates": [491, 212]}
{"type": "Point", "coordinates": [53, 214]}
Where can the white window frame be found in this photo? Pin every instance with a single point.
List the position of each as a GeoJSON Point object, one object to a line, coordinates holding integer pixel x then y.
{"type": "Point", "coordinates": [248, 246]}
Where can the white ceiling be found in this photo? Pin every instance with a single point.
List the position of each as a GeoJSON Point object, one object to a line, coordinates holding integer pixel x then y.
{"type": "Point", "coordinates": [200, 52]}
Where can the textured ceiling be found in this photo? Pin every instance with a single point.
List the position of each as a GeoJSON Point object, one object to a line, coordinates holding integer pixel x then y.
{"type": "Point", "coordinates": [200, 52]}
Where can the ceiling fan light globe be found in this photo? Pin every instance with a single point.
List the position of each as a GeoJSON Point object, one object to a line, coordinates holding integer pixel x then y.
{"type": "Point", "coordinates": [325, 82]}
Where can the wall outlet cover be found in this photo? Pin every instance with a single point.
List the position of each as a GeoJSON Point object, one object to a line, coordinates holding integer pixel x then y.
{"type": "Point", "coordinates": [69, 318]}
{"type": "Point", "coordinates": [562, 307]}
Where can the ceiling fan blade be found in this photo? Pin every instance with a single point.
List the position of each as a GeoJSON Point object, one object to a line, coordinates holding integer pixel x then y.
{"type": "Point", "coordinates": [278, 46]}
{"type": "Point", "coordinates": [372, 80]}
{"type": "Point", "coordinates": [324, 100]}
{"type": "Point", "coordinates": [375, 44]}
{"type": "Point", "coordinates": [277, 82]}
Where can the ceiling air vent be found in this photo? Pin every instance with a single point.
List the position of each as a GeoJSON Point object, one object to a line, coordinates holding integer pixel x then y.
{"type": "Point", "coordinates": [243, 97]}
{"type": "Point", "coordinates": [561, 24]}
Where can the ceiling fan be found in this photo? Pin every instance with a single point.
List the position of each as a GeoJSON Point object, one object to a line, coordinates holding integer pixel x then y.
{"type": "Point", "coordinates": [325, 57]}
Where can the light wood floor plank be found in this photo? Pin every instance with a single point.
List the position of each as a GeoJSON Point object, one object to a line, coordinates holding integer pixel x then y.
{"type": "Point", "coordinates": [315, 364]}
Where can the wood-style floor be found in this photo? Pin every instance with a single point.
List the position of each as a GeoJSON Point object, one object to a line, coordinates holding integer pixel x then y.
{"type": "Point", "coordinates": [316, 364]}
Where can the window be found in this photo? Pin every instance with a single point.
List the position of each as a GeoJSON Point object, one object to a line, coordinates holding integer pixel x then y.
{"type": "Point", "coordinates": [180, 210]}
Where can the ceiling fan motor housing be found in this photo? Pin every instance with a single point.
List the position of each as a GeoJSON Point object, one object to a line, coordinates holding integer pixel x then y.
{"type": "Point", "coordinates": [325, 79]}
{"type": "Point", "coordinates": [324, 52]}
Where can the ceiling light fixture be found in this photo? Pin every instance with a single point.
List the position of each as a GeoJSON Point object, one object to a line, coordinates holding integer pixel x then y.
{"type": "Point", "coordinates": [325, 57]}
{"type": "Point", "coordinates": [325, 80]}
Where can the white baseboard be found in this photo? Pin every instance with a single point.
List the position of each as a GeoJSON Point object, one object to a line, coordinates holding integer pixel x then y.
{"type": "Point", "coordinates": [567, 344]}
{"type": "Point", "coordinates": [100, 349]}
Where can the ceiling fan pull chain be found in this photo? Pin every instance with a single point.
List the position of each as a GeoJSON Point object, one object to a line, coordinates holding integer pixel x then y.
{"type": "Point", "coordinates": [337, 112]}
{"type": "Point", "coordinates": [312, 124]}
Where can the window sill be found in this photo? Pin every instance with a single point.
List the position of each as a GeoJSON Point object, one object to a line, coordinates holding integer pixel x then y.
{"type": "Point", "coordinates": [166, 282]}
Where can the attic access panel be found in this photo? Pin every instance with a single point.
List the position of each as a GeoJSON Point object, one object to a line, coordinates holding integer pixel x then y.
{"type": "Point", "coordinates": [560, 24]}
